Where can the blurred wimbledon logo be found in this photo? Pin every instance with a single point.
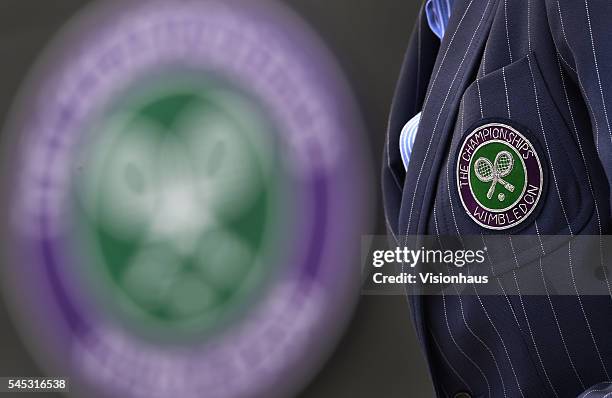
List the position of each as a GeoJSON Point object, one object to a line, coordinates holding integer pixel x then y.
{"type": "Point", "coordinates": [177, 190]}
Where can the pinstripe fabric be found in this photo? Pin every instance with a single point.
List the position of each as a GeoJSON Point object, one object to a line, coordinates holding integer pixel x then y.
{"type": "Point", "coordinates": [438, 13]}
{"type": "Point", "coordinates": [543, 65]}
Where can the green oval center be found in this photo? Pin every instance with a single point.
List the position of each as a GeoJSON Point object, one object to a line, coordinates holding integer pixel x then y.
{"type": "Point", "coordinates": [497, 176]}
{"type": "Point", "coordinates": [173, 195]}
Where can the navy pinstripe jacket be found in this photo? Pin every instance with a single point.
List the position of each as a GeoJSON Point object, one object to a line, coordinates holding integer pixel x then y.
{"type": "Point", "coordinates": [546, 66]}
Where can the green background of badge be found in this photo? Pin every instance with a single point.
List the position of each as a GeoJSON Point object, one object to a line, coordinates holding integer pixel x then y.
{"type": "Point", "coordinates": [517, 177]}
{"type": "Point", "coordinates": [252, 226]}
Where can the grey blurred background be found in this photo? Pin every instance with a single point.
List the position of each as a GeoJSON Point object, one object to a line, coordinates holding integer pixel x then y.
{"type": "Point", "coordinates": [378, 356]}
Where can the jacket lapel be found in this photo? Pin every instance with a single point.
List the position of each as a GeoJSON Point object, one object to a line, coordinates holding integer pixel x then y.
{"type": "Point", "coordinates": [457, 60]}
{"type": "Point", "coordinates": [456, 63]}
{"type": "Point", "coordinates": [408, 101]}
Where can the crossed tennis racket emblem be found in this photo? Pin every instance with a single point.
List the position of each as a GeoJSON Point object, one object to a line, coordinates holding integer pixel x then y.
{"type": "Point", "coordinates": [495, 172]}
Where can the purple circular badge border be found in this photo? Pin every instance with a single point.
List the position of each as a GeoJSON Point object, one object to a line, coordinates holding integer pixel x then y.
{"type": "Point", "coordinates": [533, 171]}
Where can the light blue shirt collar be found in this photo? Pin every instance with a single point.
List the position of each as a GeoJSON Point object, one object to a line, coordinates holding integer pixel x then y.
{"type": "Point", "coordinates": [438, 13]}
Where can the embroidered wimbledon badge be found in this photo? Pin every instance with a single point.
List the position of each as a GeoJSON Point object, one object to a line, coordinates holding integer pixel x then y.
{"type": "Point", "coordinates": [499, 176]}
